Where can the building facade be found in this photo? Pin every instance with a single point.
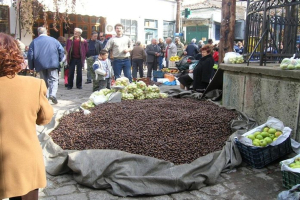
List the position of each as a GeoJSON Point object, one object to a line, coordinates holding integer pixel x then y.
{"type": "Point", "coordinates": [205, 20]}
{"type": "Point", "coordinates": [143, 20]}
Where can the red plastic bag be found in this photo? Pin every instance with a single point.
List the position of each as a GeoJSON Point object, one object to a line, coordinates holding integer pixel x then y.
{"type": "Point", "coordinates": [113, 82]}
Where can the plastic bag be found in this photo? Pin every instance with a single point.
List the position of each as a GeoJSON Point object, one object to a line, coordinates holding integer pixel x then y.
{"type": "Point", "coordinates": [272, 122]}
{"type": "Point", "coordinates": [233, 58]}
{"type": "Point", "coordinates": [193, 65]}
{"type": "Point", "coordinates": [290, 63]}
{"type": "Point", "coordinates": [292, 194]}
{"type": "Point", "coordinates": [284, 63]}
{"type": "Point", "coordinates": [99, 99]}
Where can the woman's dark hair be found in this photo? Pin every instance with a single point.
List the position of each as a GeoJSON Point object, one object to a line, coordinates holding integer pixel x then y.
{"type": "Point", "coordinates": [216, 49]}
{"type": "Point", "coordinates": [11, 58]}
{"type": "Point", "coordinates": [207, 48]}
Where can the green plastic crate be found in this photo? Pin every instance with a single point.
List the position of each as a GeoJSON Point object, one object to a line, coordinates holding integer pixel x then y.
{"type": "Point", "coordinates": [290, 179]}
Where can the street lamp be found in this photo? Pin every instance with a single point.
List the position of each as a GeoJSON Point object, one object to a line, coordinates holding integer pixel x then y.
{"type": "Point", "coordinates": [97, 22]}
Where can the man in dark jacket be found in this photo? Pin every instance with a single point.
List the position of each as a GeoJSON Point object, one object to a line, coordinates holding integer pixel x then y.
{"type": "Point", "coordinates": [191, 49]}
{"type": "Point", "coordinates": [162, 47]}
{"type": "Point", "coordinates": [94, 48]}
{"type": "Point", "coordinates": [153, 52]}
{"type": "Point", "coordinates": [44, 55]}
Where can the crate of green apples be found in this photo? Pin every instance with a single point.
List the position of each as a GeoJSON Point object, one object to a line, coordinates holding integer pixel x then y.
{"type": "Point", "coordinates": [265, 143]}
{"type": "Point", "coordinates": [265, 137]}
{"type": "Point", "coordinates": [290, 169]}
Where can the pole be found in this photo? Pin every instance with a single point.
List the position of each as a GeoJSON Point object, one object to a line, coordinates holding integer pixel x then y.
{"type": "Point", "coordinates": [20, 33]}
{"type": "Point", "coordinates": [178, 15]}
{"type": "Point", "coordinates": [227, 28]}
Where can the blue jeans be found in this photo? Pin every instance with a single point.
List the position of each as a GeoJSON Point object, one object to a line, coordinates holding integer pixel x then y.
{"type": "Point", "coordinates": [50, 76]}
{"type": "Point", "coordinates": [160, 60]}
{"type": "Point", "coordinates": [78, 63]}
{"type": "Point", "coordinates": [122, 64]}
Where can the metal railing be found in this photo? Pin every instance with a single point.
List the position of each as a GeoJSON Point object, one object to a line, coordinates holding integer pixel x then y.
{"type": "Point", "coordinates": [272, 29]}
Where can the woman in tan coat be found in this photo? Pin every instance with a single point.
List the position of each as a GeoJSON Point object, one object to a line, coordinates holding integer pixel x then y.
{"type": "Point", "coordinates": [23, 104]}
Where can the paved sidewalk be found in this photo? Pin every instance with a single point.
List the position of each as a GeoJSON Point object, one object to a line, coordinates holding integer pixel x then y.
{"type": "Point", "coordinates": [242, 183]}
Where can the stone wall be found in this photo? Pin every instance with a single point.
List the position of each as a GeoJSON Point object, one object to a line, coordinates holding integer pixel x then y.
{"type": "Point", "coordinates": [262, 91]}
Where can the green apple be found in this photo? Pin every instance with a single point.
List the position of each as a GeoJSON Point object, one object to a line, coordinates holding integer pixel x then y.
{"type": "Point", "coordinates": [268, 140]}
{"type": "Point", "coordinates": [292, 164]}
{"type": "Point", "coordinates": [262, 143]}
{"type": "Point", "coordinates": [278, 133]}
{"type": "Point", "coordinates": [252, 137]}
{"type": "Point", "coordinates": [256, 140]}
{"type": "Point", "coordinates": [274, 139]}
{"type": "Point", "coordinates": [256, 144]}
{"type": "Point", "coordinates": [256, 133]}
{"type": "Point", "coordinates": [260, 137]}
{"type": "Point", "coordinates": [266, 129]}
{"type": "Point", "coordinates": [272, 136]}
{"type": "Point", "coordinates": [297, 159]}
{"type": "Point", "coordinates": [272, 130]}
{"type": "Point", "coordinates": [265, 134]}
{"type": "Point", "coordinates": [297, 162]}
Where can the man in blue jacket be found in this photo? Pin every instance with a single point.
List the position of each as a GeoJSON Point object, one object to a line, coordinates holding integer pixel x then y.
{"type": "Point", "coordinates": [44, 55]}
{"type": "Point", "coordinates": [192, 49]}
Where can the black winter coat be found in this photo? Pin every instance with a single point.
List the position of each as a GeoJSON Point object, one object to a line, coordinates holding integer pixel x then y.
{"type": "Point", "coordinates": [203, 72]}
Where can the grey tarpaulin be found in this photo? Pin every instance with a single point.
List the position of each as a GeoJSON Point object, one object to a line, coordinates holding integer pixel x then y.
{"type": "Point", "coordinates": [126, 174]}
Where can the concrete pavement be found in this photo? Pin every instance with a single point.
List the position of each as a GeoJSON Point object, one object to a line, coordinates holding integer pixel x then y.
{"type": "Point", "coordinates": [239, 184]}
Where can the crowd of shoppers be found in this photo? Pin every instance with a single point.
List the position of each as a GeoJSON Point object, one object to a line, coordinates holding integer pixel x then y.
{"type": "Point", "coordinates": [72, 54]}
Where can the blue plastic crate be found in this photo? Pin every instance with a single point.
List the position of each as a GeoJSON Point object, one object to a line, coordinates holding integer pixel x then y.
{"type": "Point", "coordinates": [158, 74]}
{"type": "Point", "coordinates": [259, 157]}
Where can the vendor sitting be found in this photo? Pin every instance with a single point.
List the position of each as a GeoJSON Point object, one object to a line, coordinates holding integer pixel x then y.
{"type": "Point", "coordinates": [103, 70]}
{"type": "Point", "coordinates": [200, 76]}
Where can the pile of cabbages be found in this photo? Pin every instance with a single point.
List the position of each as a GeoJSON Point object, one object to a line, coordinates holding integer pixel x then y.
{"type": "Point", "coordinates": [130, 91]}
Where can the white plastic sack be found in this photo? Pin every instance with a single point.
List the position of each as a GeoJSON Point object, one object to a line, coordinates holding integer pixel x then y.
{"type": "Point", "coordinates": [272, 122]}
{"type": "Point", "coordinates": [86, 112]}
{"type": "Point", "coordinates": [285, 165]}
{"type": "Point", "coordinates": [292, 194]}
{"type": "Point", "coordinates": [99, 99]}
{"type": "Point", "coordinates": [290, 63]}
{"type": "Point", "coordinates": [232, 58]}
{"type": "Point", "coordinates": [164, 63]}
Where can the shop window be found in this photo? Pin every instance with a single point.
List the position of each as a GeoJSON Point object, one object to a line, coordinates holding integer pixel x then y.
{"type": "Point", "coordinates": [82, 19]}
{"type": "Point", "coordinates": [84, 30]}
{"type": "Point", "coordinates": [169, 29]}
{"type": "Point", "coordinates": [149, 34]}
{"type": "Point", "coordinates": [130, 28]}
{"type": "Point", "coordinates": [4, 19]}
{"type": "Point", "coordinates": [72, 17]}
{"type": "Point", "coordinates": [150, 30]}
{"type": "Point", "coordinates": [217, 31]}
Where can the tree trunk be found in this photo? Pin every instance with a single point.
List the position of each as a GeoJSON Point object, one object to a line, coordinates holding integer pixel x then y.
{"type": "Point", "coordinates": [227, 28]}
{"type": "Point", "coordinates": [178, 14]}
